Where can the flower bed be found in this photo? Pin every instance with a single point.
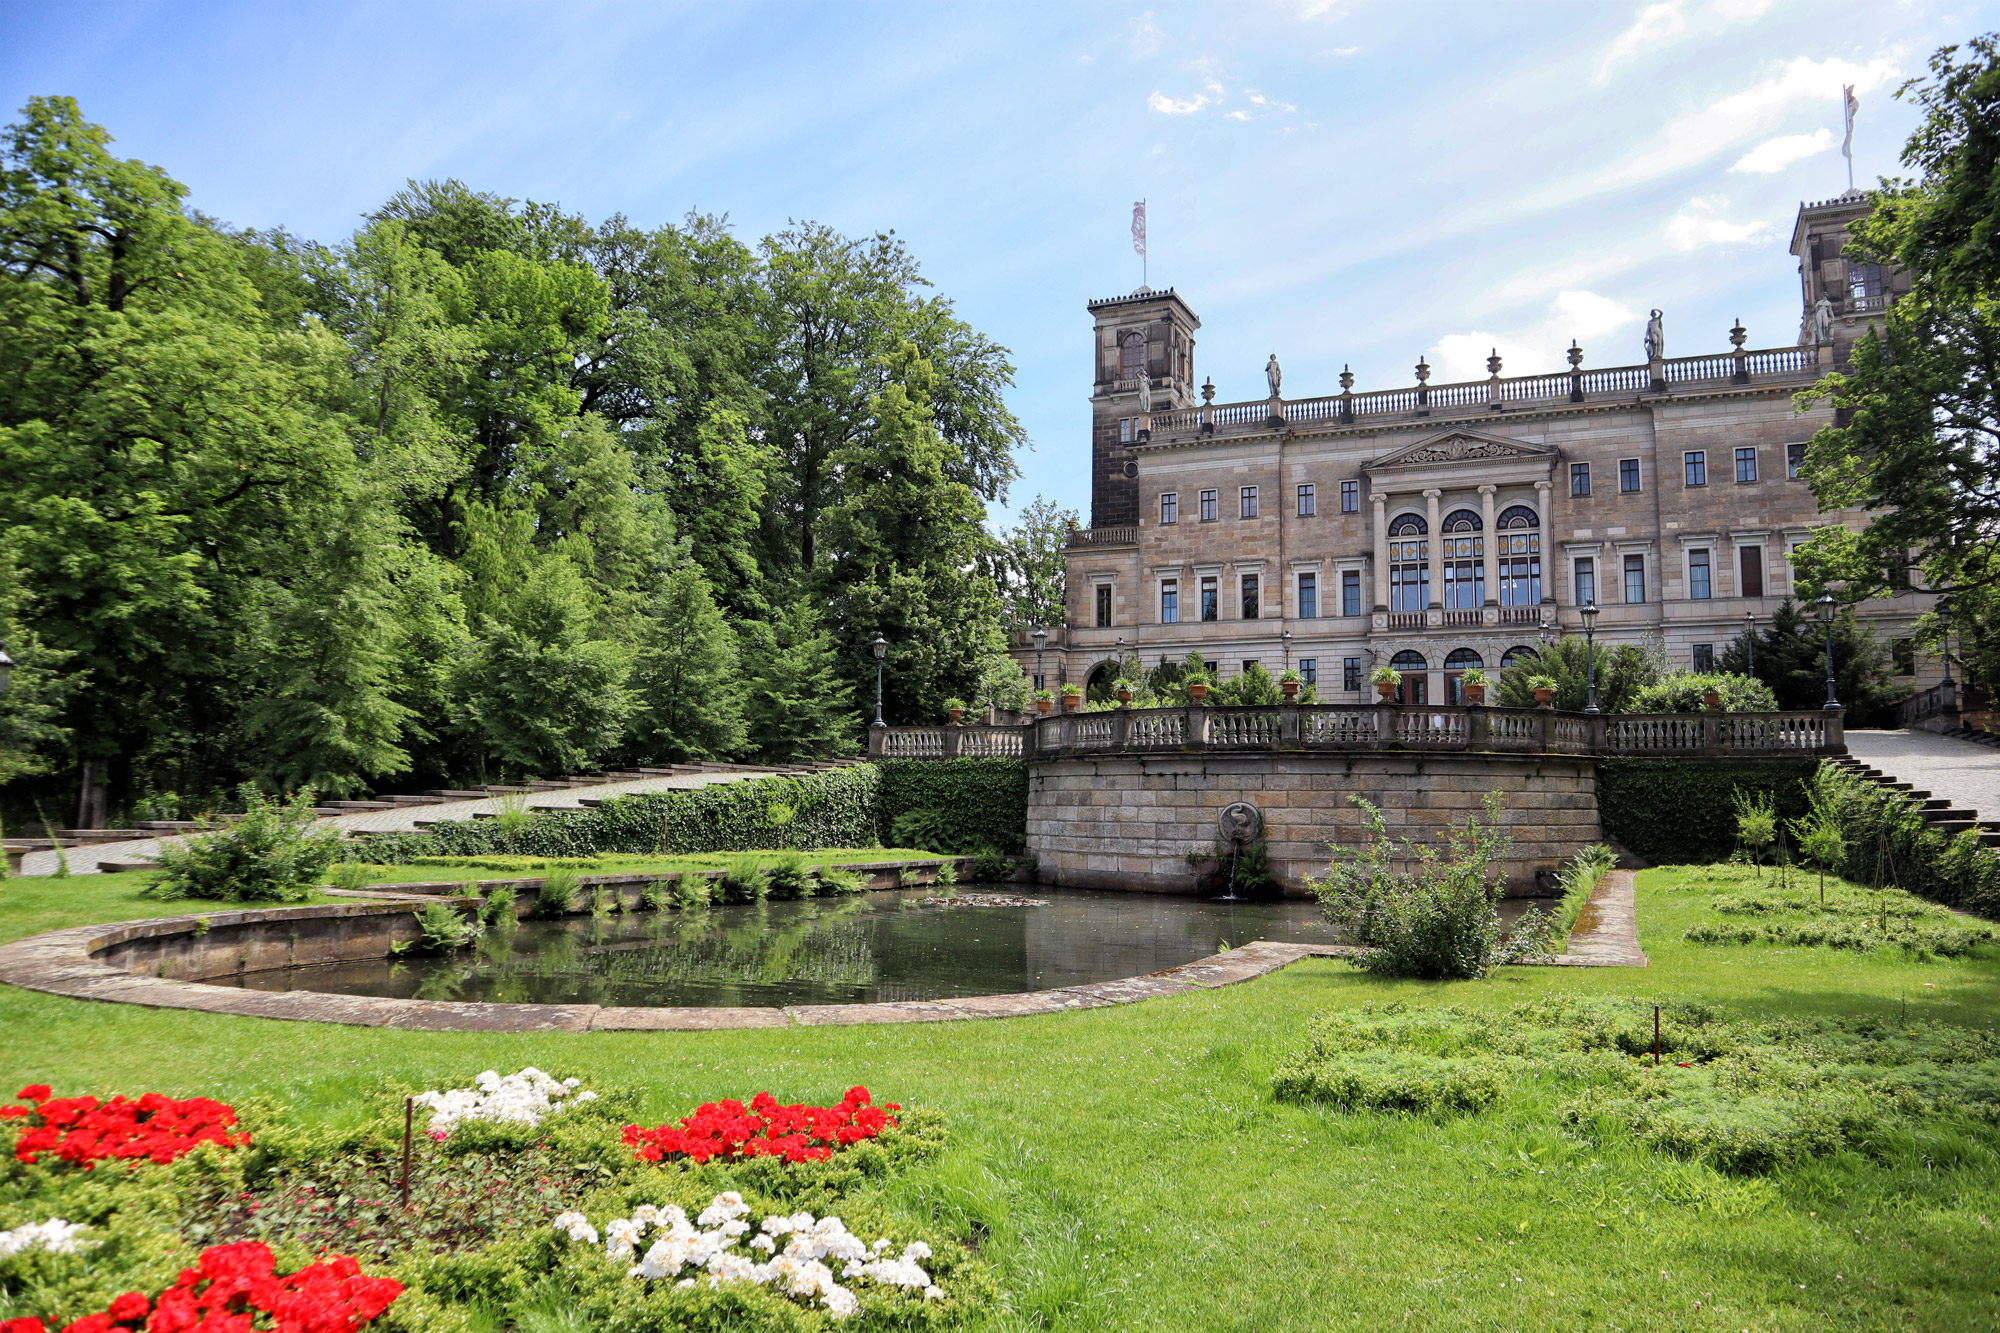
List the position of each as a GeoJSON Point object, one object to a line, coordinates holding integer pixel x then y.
{"type": "Point", "coordinates": [231, 1286]}
{"type": "Point", "coordinates": [84, 1131]}
{"type": "Point", "coordinates": [525, 1098]}
{"type": "Point", "coordinates": [728, 1130]}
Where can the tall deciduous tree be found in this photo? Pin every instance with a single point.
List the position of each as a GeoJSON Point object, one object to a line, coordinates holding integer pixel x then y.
{"type": "Point", "coordinates": [1029, 565]}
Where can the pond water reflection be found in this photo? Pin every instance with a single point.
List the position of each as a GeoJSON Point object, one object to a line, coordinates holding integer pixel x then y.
{"type": "Point", "coordinates": [878, 946]}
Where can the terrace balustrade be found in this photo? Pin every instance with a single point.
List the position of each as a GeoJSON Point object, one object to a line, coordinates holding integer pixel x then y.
{"type": "Point", "coordinates": [1323, 728]}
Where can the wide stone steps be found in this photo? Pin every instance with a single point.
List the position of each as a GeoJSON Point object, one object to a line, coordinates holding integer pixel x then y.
{"type": "Point", "coordinates": [1937, 811]}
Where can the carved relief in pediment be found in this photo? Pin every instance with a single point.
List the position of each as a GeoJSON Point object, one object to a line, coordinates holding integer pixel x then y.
{"type": "Point", "coordinates": [1461, 446]}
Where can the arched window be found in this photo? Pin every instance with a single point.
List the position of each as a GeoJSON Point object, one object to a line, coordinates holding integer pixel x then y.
{"type": "Point", "coordinates": [1520, 540]}
{"type": "Point", "coordinates": [1519, 655]}
{"type": "Point", "coordinates": [1455, 664]}
{"type": "Point", "coordinates": [1409, 564]}
{"type": "Point", "coordinates": [1416, 681]}
{"type": "Point", "coordinates": [1464, 562]}
{"type": "Point", "coordinates": [1132, 356]}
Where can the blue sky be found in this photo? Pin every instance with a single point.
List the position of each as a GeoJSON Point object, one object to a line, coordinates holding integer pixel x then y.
{"type": "Point", "coordinates": [1341, 183]}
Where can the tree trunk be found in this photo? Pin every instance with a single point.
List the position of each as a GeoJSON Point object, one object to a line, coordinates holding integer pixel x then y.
{"type": "Point", "coordinates": [93, 795]}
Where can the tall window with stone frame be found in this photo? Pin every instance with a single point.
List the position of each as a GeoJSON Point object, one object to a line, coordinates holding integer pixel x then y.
{"type": "Point", "coordinates": [1746, 465]}
{"type": "Point", "coordinates": [1464, 561]}
{"type": "Point", "coordinates": [1132, 356]}
{"type": "Point", "coordinates": [1519, 533]}
{"type": "Point", "coordinates": [1246, 502]}
{"type": "Point", "coordinates": [1903, 657]}
{"type": "Point", "coordinates": [1309, 671]}
{"type": "Point", "coordinates": [1211, 598]}
{"type": "Point", "coordinates": [1628, 476]}
{"type": "Point", "coordinates": [1750, 569]}
{"type": "Point", "coordinates": [1694, 467]}
{"type": "Point", "coordinates": [1350, 673]}
{"type": "Point", "coordinates": [1208, 506]}
{"type": "Point", "coordinates": [1704, 657]}
{"type": "Point", "coordinates": [1170, 601]}
{"type": "Point", "coordinates": [1350, 592]}
{"type": "Point", "coordinates": [1635, 579]}
{"type": "Point", "coordinates": [1350, 497]}
{"type": "Point", "coordinates": [1308, 595]}
{"type": "Point", "coordinates": [1699, 585]}
{"type": "Point", "coordinates": [1170, 508]}
{"type": "Point", "coordinates": [1409, 565]}
{"type": "Point", "coordinates": [1579, 478]}
{"type": "Point", "coordinates": [1308, 500]}
{"type": "Point", "coordinates": [1795, 458]}
{"type": "Point", "coordinates": [1103, 606]}
{"type": "Point", "coordinates": [1246, 596]}
{"type": "Point", "coordinates": [1584, 580]}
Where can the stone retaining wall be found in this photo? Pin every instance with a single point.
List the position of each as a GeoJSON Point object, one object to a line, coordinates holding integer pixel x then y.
{"type": "Point", "coordinates": [1130, 822]}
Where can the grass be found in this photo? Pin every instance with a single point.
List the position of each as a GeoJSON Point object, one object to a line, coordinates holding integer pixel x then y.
{"type": "Point", "coordinates": [1129, 1168]}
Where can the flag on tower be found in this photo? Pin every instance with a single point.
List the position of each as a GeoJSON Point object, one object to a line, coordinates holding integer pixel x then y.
{"type": "Point", "coordinates": [1850, 106]}
{"type": "Point", "coordinates": [1139, 227]}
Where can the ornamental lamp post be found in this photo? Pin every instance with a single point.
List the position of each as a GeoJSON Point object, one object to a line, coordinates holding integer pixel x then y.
{"type": "Point", "coordinates": [1589, 613]}
{"type": "Point", "coordinates": [1826, 609]}
{"type": "Point", "coordinates": [1750, 641]}
{"type": "Point", "coordinates": [1040, 636]}
{"type": "Point", "coordinates": [1285, 639]}
{"type": "Point", "coordinates": [881, 647]}
{"type": "Point", "coordinates": [1944, 631]}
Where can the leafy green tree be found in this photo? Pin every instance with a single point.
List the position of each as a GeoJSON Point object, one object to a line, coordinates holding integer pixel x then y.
{"type": "Point", "coordinates": [685, 678]}
{"type": "Point", "coordinates": [1791, 659]}
{"type": "Point", "coordinates": [1622, 671]}
{"type": "Point", "coordinates": [1029, 565]}
{"type": "Point", "coordinates": [31, 707]}
{"type": "Point", "coordinates": [796, 705]}
{"type": "Point", "coordinates": [1687, 692]}
{"type": "Point", "coordinates": [1251, 686]}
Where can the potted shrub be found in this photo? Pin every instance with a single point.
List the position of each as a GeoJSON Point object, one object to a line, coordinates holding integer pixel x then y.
{"type": "Point", "coordinates": [1386, 680]}
{"type": "Point", "coordinates": [1545, 690]}
{"type": "Point", "coordinates": [1043, 700]}
{"type": "Point", "coordinates": [1197, 688]}
{"type": "Point", "coordinates": [1290, 683]}
{"type": "Point", "coordinates": [1472, 687]}
{"type": "Point", "coordinates": [954, 709]}
{"type": "Point", "coordinates": [1072, 697]}
{"type": "Point", "coordinates": [1123, 687]}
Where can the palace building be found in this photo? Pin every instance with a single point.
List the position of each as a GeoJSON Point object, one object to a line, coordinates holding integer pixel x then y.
{"type": "Point", "coordinates": [1444, 526]}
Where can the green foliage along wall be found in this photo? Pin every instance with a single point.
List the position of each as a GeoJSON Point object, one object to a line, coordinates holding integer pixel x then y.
{"type": "Point", "coordinates": [1677, 812]}
{"type": "Point", "coordinates": [980, 802]}
{"type": "Point", "coordinates": [838, 808]}
{"type": "Point", "coordinates": [1889, 842]}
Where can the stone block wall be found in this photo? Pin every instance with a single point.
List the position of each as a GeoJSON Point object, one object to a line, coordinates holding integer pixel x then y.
{"type": "Point", "coordinates": [1130, 822]}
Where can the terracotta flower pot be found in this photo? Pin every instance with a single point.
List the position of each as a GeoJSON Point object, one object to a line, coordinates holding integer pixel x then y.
{"type": "Point", "coordinates": [1544, 697]}
{"type": "Point", "coordinates": [954, 714]}
{"type": "Point", "coordinates": [1385, 691]}
{"type": "Point", "coordinates": [1474, 695]}
{"type": "Point", "coordinates": [1713, 699]}
{"type": "Point", "coordinates": [1124, 696]}
{"type": "Point", "coordinates": [1290, 688]}
{"type": "Point", "coordinates": [1072, 702]}
{"type": "Point", "coordinates": [1197, 691]}
{"type": "Point", "coordinates": [1043, 705]}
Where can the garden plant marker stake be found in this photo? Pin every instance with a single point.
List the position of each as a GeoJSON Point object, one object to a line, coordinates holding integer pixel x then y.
{"type": "Point", "coordinates": [409, 1118]}
{"type": "Point", "coordinates": [1656, 1061]}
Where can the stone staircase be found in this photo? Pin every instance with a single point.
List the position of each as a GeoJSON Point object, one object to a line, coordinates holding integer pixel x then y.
{"type": "Point", "coordinates": [1938, 812]}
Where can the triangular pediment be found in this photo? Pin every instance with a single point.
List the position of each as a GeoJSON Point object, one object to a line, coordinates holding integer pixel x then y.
{"type": "Point", "coordinates": [1460, 446]}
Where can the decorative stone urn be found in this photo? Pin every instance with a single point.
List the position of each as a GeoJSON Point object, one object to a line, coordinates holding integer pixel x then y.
{"type": "Point", "coordinates": [1545, 697]}
{"type": "Point", "coordinates": [1197, 691]}
{"type": "Point", "coordinates": [1072, 702]}
{"type": "Point", "coordinates": [1385, 690]}
{"type": "Point", "coordinates": [1474, 695]}
{"type": "Point", "coordinates": [954, 714]}
{"type": "Point", "coordinates": [1713, 699]}
{"type": "Point", "coordinates": [1043, 705]}
{"type": "Point", "coordinates": [1125, 698]}
{"type": "Point", "coordinates": [1290, 689]}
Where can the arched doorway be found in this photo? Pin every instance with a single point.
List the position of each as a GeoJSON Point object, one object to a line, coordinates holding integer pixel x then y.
{"type": "Point", "coordinates": [1097, 685]}
{"type": "Point", "coordinates": [1416, 677]}
{"type": "Point", "coordinates": [1455, 666]}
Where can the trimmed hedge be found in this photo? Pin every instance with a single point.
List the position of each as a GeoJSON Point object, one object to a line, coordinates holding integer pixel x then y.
{"type": "Point", "coordinates": [1683, 812]}
{"type": "Point", "coordinates": [981, 802]}
{"type": "Point", "coordinates": [1887, 839]}
{"type": "Point", "coordinates": [836, 808]}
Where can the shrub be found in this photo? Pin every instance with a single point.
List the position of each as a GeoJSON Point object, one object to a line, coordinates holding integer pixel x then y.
{"type": "Point", "coordinates": [445, 928]}
{"type": "Point", "coordinates": [1435, 920]}
{"type": "Point", "coordinates": [789, 877]}
{"type": "Point", "coordinates": [990, 867]}
{"type": "Point", "coordinates": [656, 895]}
{"type": "Point", "coordinates": [497, 910]}
{"type": "Point", "coordinates": [834, 880]}
{"type": "Point", "coordinates": [1683, 691]}
{"type": "Point", "coordinates": [694, 891]}
{"type": "Point", "coordinates": [557, 894]}
{"type": "Point", "coordinates": [271, 855]}
{"type": "Point", "coordinates": [1756, 824]}
{"type": "Point", "coordinates": [351, 875]}
{"type": "Point", "coordinates": [975, 803]}
{"type": "Point", "coordinates": [946, 875]}
{"type": "Point", "coordinates": [744, 881]}
{"type": "Point", "coordinates": [1885, 840]}
{"type": "Point", "coordinates": [926, 830]}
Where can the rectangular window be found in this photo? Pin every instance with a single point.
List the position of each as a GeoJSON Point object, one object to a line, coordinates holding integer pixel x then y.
{"type": "Point", "coordinates": [1211, 599]}
{"type": "Point", "coordinates": [1628, 476]}
{"type": "Point", "coordinates": [1125, 430]}
{"type": "Point", "coordinates": [1247, 502]}
{"type": "Point", "coordinates": [1350, 497]}
{"type": "Point", "coordinates": [1208, 505]}
{"type": "Point", "coordinates": [1308, 501]}
{"type": "Point", "coordinates": [1350, 673]}
{"type": "Point", "coordinates": [1170, 508]}
{"type": "Point", "coordinates": [1586, 580]}
{"type": "Point", "coordinates": [1695, 461]}
{"type": "Point", "coordinates": [1246, 595]}
{"type": "Point", "coordinates": [1308, 596]}
{"type": "Point", "coordinates": [1170, 601]}
{"type": "Point", "coordinates": [1103, 605]}
{"type": "Point", "coordinates": [1903, 655]}
{"type": "Point", "coordinates": [1795, 458]}
{"type": "Point", "coordinates": [1699, 586]}
{"type": "Point", "coordinates": [1579, 478]}
{"type": "Point", "coordinates": [1350, 592]}
{"type": "Point", "coordinates": [1635, 578]}
{"type": "Point", "coordinates": [1898, 570]}
{"type": "Point", "coordinates": [1746, 465]}
{"type": "Point", "coordinates": [1704, 657]}
{"type": "Point", "coordinates": [1248, 663]}
{"type": "Point", "coordinates": [1309, 671]}
{"type": "Point", "coordinates": [1750, 563]}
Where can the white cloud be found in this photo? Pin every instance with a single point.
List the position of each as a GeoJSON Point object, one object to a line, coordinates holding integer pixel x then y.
{"type": "Point", "coordinates": [1669, 21]}
{"type": "Point", "coordinates": [1774, 155]}
{"type": "Point", "coordinates": [1167, 106]}
{"type": "Point", "coordinates": [1339, 51]}
{"type": "Point", "coordinates": [1698, 135]}
{"type": "Point", "coordinates": [1258, 99]}
{"type": "Point", "coordinates": [1700, 222]}
{"type": "Point", "coordinates": [1237, 115]}
{"type": "Point", "coordinates": [1537, 349]}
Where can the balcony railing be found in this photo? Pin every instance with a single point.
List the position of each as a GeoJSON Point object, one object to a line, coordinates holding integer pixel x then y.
{"type": "Point", "coordinates": [1341, 727]}
{"type": "Point", "coordinates": [1124, 535]}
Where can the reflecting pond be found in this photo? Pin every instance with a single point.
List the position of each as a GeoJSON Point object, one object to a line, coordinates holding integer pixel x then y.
{"type": "Point", "coordinates": [887, 945]}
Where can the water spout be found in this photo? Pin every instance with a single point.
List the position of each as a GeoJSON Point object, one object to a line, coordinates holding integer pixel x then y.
{"type": "Point", "coordinates": [1235, 855]}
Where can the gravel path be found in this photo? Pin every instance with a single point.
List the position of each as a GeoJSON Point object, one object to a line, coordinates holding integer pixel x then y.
{"type": "Point", "coordinates": [84, 860]}
{"type": "Point", "coordinates": [1965, 773]}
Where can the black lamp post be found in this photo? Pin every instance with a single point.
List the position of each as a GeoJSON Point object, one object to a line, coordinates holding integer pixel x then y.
{"type": "Point", "coordinates": [7, 668]}
{"type": "Point", "coordinates": [1826, 607]}
{"type": "Point", "coordinates": [1944, 629]}
{"type": "Point", "coordinates": [1589, 613]}
{"type": "Point", "coordinates": [1285, 639]}
{"type": "Point", "coordinates": [881, 647]}
{"type": "Point", "coordinates": [1750, 641]}
{"type": "Point", "coordinates": [1040, 636]}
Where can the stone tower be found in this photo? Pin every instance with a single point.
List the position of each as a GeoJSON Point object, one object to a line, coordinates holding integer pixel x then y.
{"type": "Point", "coordinates": [1857, 292]}
{"type": "Point", "coordinates": [1148, 333]}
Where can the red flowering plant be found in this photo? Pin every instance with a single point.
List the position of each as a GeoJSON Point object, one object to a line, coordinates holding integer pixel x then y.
{"type": "Point", "coordinates": [84, 1131]}
{"type": "Point", "coordinates": [728, 1130]}
{"type": "Point", "coordinates": [235, 1284]}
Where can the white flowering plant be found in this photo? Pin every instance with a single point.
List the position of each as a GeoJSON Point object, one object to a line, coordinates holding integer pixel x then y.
{"type": "Point", "coordinates": [54, 1236]}
{"type": "Point", "coordinates": [513, 1101]}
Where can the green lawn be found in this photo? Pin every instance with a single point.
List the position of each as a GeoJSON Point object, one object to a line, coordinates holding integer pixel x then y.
{"type": "Point", "coordinates": [1136, 1173]}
